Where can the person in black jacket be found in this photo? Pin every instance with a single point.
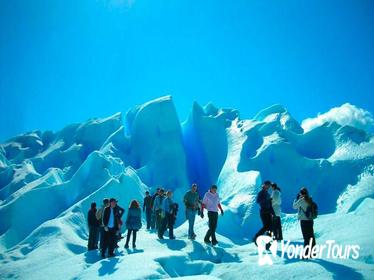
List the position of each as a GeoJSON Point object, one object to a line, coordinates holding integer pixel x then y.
{"type": "Point", "coordinates": [147, 208]}
{"type": "Point", "coordinates": [266, 210]}
{"type": "Point", "coordinates": [93, 228]}
{"type": "Point", "coordinates": [110, 223]}
{"type": "Point", "coordinates": [118, 212]}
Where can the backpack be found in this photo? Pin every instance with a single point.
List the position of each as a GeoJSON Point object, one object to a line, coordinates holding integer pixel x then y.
{"type": "Point", "coordinates": [312, 211]}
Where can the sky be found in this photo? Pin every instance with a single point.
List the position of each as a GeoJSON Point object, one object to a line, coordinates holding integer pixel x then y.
{"type": "Point", "coordinates": [67, 61]}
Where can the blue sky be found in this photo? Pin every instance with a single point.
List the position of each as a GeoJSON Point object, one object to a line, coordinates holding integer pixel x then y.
{"type": "Point", "coordinates": [67, 61]}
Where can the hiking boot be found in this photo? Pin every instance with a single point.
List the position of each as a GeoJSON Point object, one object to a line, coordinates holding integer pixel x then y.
{"type": "Point", "coordinates": [126, 246]}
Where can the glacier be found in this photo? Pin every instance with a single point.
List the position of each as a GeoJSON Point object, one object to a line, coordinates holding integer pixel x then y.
{"type": "Point", "coordinates": [49, 179]}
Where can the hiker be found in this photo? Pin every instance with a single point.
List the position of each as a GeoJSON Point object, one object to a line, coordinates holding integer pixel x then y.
{"type": "Point", "coordinates": [266, 210]}
{"type": "Point", "coordinates": [133, 223]}
{"type": "Point", "coordinates": [276, 201]}
{"type": "Point", "coordinates": [157, 209]}
{"type": "Point", "coordinates": [153, 215]}
{"type": "Point", "coordinates": [212, 203]}
{"type": "Point", "coordinates": [168, 216]}
{"type": "Point", "coordinates": [191, 201]}
{"type": "Point", "coordinates": [147, 209]}
{"type": "Point", "coordinates": [119, 211]}
{"type": "Point", "coordinates": [110, 223]}
{"type": "Point", "coordinates": [304, 204]}
{"type": "Point", "coordinates": [93, 228]}
{"type": "Point", "coordinates": [99, 217]}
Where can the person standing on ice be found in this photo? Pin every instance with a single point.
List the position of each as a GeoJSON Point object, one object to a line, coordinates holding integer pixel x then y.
{"type": "Point", "coordinates": [153, 216]}
{"type": "Point", "coordinates": [304, 203]}
{"type": "Point", "coordinates": [133, 223]}
{"type": "Point", "coordinates": [99, 217]}
{"type": "Point", "coordinates": [110, 228]}
{"type": "Point", "coordinates": [266, 210]}
{"type": "Point", "coordinates": [93, 228]}
{"type": "Point", "coordinates": [212, 203]}
{"type": "Point", "coordinates": [157, 209]}
{"type": "Point", "coordinates": [118, 212]}
{"type": "Point", "coordinates": [276, 202]}
{"type": "Point", "coordinates": [191, 201]}
{"type": "Point", "coordinates": [147, 209]}
{"type": "Point", "coordinates": [168, 216]}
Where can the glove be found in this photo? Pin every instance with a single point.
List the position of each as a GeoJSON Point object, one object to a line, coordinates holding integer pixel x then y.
{"type": "Point", "coordinates": [221, 212]}
{"type": "Point", "coordinates": [298, 196]}
{"type": "Point", "coordinates": [106, 228]}
{"type": "Point", "coordinates": [202, 215]}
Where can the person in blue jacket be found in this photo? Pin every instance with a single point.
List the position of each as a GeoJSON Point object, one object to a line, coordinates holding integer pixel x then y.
{"type": "Point", "coordinates": [133, 222]}
{"type": "Point", "coordinates": [168, 215]}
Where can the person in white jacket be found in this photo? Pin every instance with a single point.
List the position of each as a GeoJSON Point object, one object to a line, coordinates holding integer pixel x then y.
{"type": "Point", "coordinates": [301, 203]}
{"type": "Point", "coordinates": [276, 201]}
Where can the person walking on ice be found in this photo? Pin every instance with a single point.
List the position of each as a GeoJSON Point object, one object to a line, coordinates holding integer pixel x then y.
{"type": "Point", "coordinates": [276, 201]}
{"type": "Point", "coordinates": [212, 203]}
{"type": "Point", "coordinates": [191, 201]}
{"type": "Point", "coordinates": [266, 210]}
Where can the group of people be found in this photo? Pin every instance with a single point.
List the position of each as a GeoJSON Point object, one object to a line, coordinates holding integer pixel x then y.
{"type": "Point", "coordinates": [106, 222]}
{"type": "Point", "coordinates": [161, 212]}
{"type": "Point", "coordinates": [270, 212]}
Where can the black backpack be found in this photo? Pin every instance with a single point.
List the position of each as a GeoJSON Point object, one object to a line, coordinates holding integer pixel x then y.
{"type": "Point", "coordinates": [311, 211]}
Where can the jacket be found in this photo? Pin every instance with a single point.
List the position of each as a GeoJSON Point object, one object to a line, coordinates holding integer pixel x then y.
{"type": "Point", "coordinates": [147, 204]}
{"type": "Point", "coordinates": [106, 217]}
{"type": "Point", "coordinates": [167, 205]}
{"type": "Point", "coordinates": [301, 205]}
{"type": "Point", "coordinates": [191, 200]}
{"type": "Point", "coordinates": [133, 220]}
{"type": "Point", "coordinates": [91, 218]}
{"type": "Point", "coordinates": [211, 201]}
{"type": "Point", "coordinates": [158, 203]}
{"type": "Point", "coordinates": [264, 200]}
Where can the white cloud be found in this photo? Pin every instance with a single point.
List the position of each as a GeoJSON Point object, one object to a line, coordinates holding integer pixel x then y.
{"type": "Point", "coordinates": [346, 114]}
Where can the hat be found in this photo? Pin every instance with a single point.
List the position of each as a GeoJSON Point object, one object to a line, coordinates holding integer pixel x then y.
{"type": "Point", "coordinates": [113, 200]}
